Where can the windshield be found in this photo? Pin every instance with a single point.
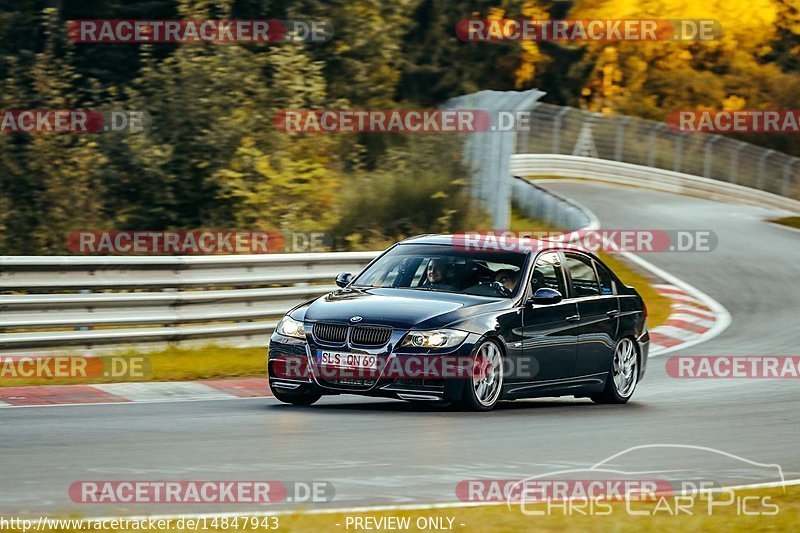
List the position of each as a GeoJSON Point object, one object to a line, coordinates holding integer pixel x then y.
{"type": "Point", "coordinates": [442, 268]}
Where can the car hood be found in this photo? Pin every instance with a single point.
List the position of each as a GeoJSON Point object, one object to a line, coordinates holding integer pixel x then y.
{"type": "Point", "coordinates": [398, 308]}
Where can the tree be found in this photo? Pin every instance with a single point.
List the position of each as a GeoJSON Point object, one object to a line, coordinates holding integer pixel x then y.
{"type": "Point", "coordinates": [52, 182]}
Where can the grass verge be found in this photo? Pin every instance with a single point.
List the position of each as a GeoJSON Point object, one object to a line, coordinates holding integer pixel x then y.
{"type": "Point", "coordinates": [792, 222]}
{"type": "Point", "coordinates": [658, 307]}
{"type": "Point", "coordinates": [502, 519]}
{"type": "Point", "coordinates": [171, 364]}
{"type": "Point", "coordinates": [659, 515]}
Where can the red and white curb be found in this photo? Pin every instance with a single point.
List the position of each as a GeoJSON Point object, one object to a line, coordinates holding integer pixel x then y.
{"type": "Point", "coordinates": [145, 392]}
{"type": "Point", "coordinates": [690, 320]}
{"type": "Point", "coordinates": [696, 317]}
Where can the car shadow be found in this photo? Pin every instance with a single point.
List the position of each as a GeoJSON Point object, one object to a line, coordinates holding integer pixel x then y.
{"type": "Point", "coordinates": [373, 405]}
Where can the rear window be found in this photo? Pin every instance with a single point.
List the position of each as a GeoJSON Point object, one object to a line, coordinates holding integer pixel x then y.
{"type": "Point", "coordinates": [584, 279]}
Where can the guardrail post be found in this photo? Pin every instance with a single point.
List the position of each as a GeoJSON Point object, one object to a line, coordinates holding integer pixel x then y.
{"type": "Point", "coordinates": [787, 175]}
{"type": "Point", "coordinates": [525, 139]}
{"type": "Point", "coordinates": [84, 328]}
{"type": "Point", "coordinates": [678, 158]}
{"type": "Point", "coordinates": [557, 130]}
{"type": "Point", "coordinates": [707, 156]}
{"type": "Point", "coordinates": [620, 138]}
{"type": "Point", "coordinates": [735, 162]}
{"type": "Point", "coordinates": [651, 140]}
{"type": "Point", "coordinates": [762, 161]}
{"type": "Point", "coordinates": [585, 146]}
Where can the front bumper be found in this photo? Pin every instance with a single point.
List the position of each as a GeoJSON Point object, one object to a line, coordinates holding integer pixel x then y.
{"type": "Point", "coordinates": [291, 366]}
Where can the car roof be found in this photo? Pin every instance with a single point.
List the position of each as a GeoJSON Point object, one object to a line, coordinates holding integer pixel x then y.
{"type": "Point", "coordinates": [487, 242]}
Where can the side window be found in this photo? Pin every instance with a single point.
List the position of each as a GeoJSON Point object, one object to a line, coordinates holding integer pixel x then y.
{"type": "Point", "coordinates": [419, 273]}
{"type": "Point", "coordinates": [584, 280]}
{"type": "Point", "coordinates": [606, 283]}
{"type": "Point", "coordinates": [547, 273]}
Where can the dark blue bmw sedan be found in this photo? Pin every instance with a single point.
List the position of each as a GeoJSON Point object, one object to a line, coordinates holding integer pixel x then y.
{"type": "Point", "coordinates": [441, 319]}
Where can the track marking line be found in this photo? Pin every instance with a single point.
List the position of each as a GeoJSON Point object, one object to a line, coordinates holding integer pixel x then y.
{"type": "Point", "coordinates": [177, 400]}
{"type": "Point", "coordinates": [409, 507]}
{"type": "Point", "coordinates": [148, 392]}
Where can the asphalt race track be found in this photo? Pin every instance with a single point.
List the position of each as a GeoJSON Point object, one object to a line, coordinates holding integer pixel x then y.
{"type": "Point", "coordinates": [379, 452]}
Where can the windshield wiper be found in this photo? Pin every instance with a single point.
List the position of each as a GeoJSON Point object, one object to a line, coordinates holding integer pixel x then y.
{"type": "Point", "coordinates": [430, 289]}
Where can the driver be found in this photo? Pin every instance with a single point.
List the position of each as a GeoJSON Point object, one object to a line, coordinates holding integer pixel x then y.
{"type": "Point", "coordinates": [508, 278]}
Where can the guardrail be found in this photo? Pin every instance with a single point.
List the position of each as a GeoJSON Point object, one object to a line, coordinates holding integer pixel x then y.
{"type": "Point", "coordinates": [540, 204]}
{"type": "Point", "coordinates": [527, 165]}
{"type": "Point", "coordinates": [66, 302]}
{"type": "Point", "coordinates": [651, 144]}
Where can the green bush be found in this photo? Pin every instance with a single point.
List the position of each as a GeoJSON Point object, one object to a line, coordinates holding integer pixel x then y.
{"type": "Point", "coordinates": [419, 187]}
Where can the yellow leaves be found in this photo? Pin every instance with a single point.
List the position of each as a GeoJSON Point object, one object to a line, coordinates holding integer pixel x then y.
{"type": "Point", "coordinates": [733, 103]}
{"type": "Point", "coordinates": [746, 23]}
{"type": "Point", "coordinates": [496, 13]}
{"type": "Point", "coordinates": [240, 115]}
{"type": "Point", "coordinates": [439, 195]}
{"type": "Point", "coordinates": [230, 174]}
{"type": "Point", "coordinates": [532, 9]}
{"type": "Point", "coordinates": [263, 167]}
{"type": "Point", "coordinates": [531, 54]}
{"type": "Point", "coordinates": [524, 74]}
{"type": "Point", "coordinates": [526, 71]}
{"type": "Point", "coordinates": [288, 187]}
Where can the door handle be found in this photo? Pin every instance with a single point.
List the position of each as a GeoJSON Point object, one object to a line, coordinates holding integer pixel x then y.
{"type": "Point", "coordinates": [613, 313]}
{"type": "Point", "coordinates": [573, 318]}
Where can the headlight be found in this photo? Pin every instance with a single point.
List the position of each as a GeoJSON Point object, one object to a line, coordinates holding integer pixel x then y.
{"type": "Point", "coordinates": [291, 328]}
{"type": "Point", "coordinates": [438, 338]}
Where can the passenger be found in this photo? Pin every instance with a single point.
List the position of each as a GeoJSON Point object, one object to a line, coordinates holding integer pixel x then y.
{"type": "Point", "coordinates": [439, 274]}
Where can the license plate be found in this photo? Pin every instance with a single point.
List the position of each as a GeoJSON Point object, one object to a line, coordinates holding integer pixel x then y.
{"type": "Point", "coordinates": [347, 360]}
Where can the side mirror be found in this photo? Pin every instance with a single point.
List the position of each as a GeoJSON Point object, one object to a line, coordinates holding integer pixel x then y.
{"type": "Point", "coordinates": [343, 279]}
{"type": "Point", "coordinates": [546, 296]}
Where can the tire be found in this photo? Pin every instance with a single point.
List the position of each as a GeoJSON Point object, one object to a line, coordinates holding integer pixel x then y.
{"type": "Point", "coordinates": [483, 391]}
{"type": "Point", "coordinates": [303, 397]}
{"type": "Point", "coordinates": [624, 374]}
